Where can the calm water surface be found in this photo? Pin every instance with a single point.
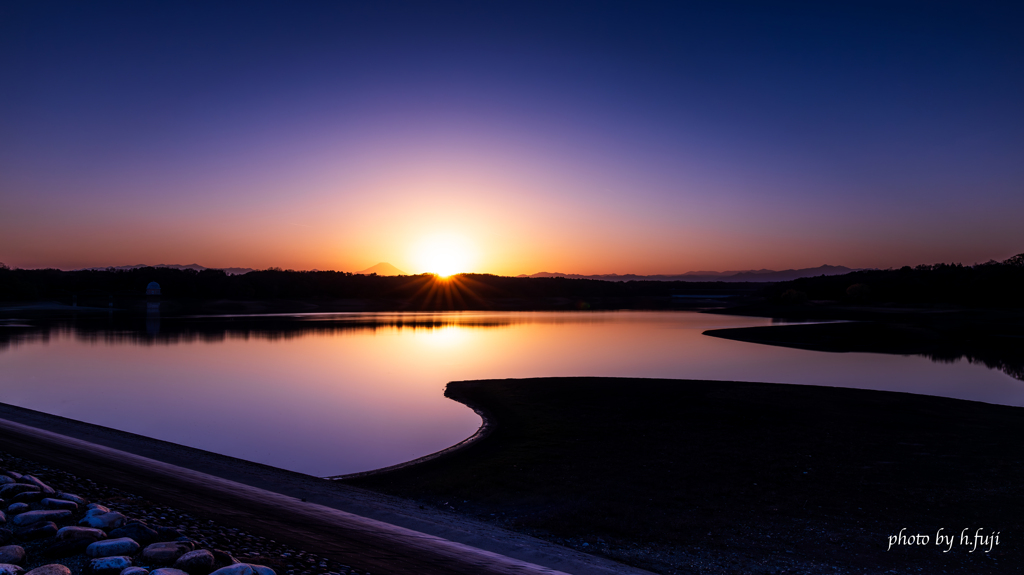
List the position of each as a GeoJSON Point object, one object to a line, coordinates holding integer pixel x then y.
{"type": "Point", "coordinates": [329, 394]}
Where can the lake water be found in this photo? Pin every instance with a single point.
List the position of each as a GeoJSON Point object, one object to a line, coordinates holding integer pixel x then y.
{"type": "Point", "coordinates": [329, 394]}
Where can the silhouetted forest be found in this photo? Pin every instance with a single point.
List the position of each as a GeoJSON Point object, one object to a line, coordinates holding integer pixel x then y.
{"type": "Point", "coordinates": [991, 284]}
{"type": "Point", "coordinates": [465, 291]}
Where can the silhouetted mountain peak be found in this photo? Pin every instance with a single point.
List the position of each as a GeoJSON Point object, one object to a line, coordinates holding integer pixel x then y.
{"type": "Point", "coordinates": [382, 269]}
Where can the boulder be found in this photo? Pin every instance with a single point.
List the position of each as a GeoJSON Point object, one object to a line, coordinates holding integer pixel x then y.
{"type": "Point", "coordinates": [8, 569]}
{"type": "Point", "coordinates": [109, 565]}
{"type": "Point", "coordinates": [42, 486]}
{"type": "Point", "coordinates": [105, 521]}
{"type": "Point", "coordinates": [51, 503]}
{"type": "Point", "coordinates": [51, 569]}
{"type": "Point", "coordinates": [5, 479]}
{"type": "Point", "coordinates": [3, 518]}
{"type": "Point", "coordinates": [16, 508]}
{"type": "Point", "coordinates": [244, 569]}
{"type": "Point", "coordinates": [12, 554]}
{"type": "Point", "coordinates": [112, 547]}
{"type": "Point", "coordinates": [30, 517]}
{"type": "Point", "coordinates": [95, 509]}
{"type": "Point", "coordinates": [166, 552]}
{"type": "Point", "coordinates": [28, 497]}
{"type": "Point", "coordinates": [199, 562]}
{"type": "Point", "coordinates": [137, 531]}
{"type": "Point", "coordinates": [222, 558]}
{"type": "Point", "coordinates": [37, 531]}
{"type": "Point", "coordinates": [72, 497]}
{"type": "Point", "coordinates": [12, 489]}
{"type": "Point", "coordinates": [72, 532]}
{"type": "Point", "coordinates": [135, 571]}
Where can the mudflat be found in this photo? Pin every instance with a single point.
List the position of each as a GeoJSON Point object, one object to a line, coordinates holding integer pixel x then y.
{"type": "Point", "coordinates": [681, 476]}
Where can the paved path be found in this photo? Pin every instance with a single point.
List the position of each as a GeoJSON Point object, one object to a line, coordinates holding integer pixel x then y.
{"type": "Point", "coordinates": [367, 530]}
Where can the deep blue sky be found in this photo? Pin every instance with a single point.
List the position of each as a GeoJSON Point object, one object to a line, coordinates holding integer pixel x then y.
{"type": "Point", "coordinates": [578, 137]}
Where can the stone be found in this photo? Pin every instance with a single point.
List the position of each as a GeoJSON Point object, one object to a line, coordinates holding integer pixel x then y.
{"type": "Point", "coordinates": [8, 569]}
{"type": "Point", "coordinates": [135, 571]}
{"type": "Point", "coordinates": [95, 509]}
{"type": "Point", "coordinates": [244, 569]}
{"type": "Point", "coordinates": [222, 558]}
{"type": "Point", "coordinates": [51, 569]}
{"type": "Point", "coordinates": [110, 565]}
{"type": "Point", "coordinates": [16, 508]}
{"type": "Point", "coordinates": [112, 547]}
{"type": "Point", "coordinates": [51, 503]}
{"type": "Point", "coordinates": [97, 506]}
{"type": "Point", "coordinates": [42, 486]}
{"type": "Point", "coordinates": [30, 517]}
{"type": "Point", "coordinates": [38, 531]}
{"type": "Point", "coordinates": [28, 497]}
{"type": "Point", "coordinates": [137, 531]}
{"type": "Point", "coordinates": [35, 531]}
{"type": "Point", "coordinates": [199, 562]}
{"type": "Point", "coordinates": [105, 521]}
{"type": "Point", "coordinates": [12, 489]}
{"type": "Point", "coordinates": [81, 501]}
{"type": "Point", "coordinates": [167, 571]}
{"type": "Point", "coordinates": [72, 532]}
{"type": "Point", "coordinates": [13, 554]}
{"type": "Point", "coordinates": [166, 552]}
{"type": "Point", "coordinates": [3, 518]}
{"type": "Point", "coordinates": [5, 479]}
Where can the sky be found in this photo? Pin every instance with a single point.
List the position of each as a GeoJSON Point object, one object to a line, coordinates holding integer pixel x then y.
{"type": "Point", "coordinates": [511, 137]}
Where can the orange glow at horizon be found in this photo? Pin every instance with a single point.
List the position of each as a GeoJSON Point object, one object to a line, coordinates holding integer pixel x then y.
{"type": "Point", "coordinates": [445, 255]}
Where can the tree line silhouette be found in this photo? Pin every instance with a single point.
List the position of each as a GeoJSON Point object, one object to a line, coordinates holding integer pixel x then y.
{"type": "Point", "coordinates": [990, 284]}
{"type": "Point", "coordinates": [470, 291]}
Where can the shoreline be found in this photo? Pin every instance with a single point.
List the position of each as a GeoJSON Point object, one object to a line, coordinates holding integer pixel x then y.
{"type": "Point", "coordinates": [487, 425]}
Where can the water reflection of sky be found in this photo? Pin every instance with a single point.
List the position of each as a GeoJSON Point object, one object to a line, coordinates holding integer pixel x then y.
{"type": "Point", "coordinates": [338, 393]}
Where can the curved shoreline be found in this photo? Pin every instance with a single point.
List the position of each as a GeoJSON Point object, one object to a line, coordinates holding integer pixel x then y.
{"type": "Point", "coordinates": [487, 426]}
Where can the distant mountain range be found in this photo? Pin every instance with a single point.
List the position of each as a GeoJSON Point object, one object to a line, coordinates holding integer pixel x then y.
{"type": "Point", "coordinates": [705, 276]}
{"type": "Point", "coordinates": [197, 267]}
{"type": "Point", "coordinates": [382, 269]}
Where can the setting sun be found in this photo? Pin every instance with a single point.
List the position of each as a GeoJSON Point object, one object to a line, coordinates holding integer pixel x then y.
{"type": "Point", "coordinates": [444, 255]}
